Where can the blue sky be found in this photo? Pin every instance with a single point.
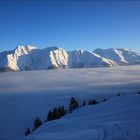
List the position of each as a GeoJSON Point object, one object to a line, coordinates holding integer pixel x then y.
{"type": "Point", "coordinates": [70, 24]}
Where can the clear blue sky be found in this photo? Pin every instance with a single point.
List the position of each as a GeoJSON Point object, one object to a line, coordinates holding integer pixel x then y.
{"type": "Point", "coordinates": [70, 24]}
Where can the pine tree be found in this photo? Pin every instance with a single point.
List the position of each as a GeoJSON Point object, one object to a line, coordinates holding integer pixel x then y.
{"type": "Point", "coordinates": [55, 113]}
{"type": "Point", "coordinates": [92, 102]}
{"type": "Point", "coordinates": [73, 104]}
{"type": "Point", "coordinates": [37, 123]}
{"type": "Point", "coordinates": [63, 111]}
{"type": "Point", "coordinates": [118, 94]}
{"type": "Point", "coordinates": [27, 132]}
{"type": "Point", "coordinates": [50, 116]}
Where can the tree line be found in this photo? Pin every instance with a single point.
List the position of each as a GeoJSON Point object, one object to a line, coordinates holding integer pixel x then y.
{"type": "Point", "coordinates": [55, 113]}
{"type": "Point", "coordinates": [60, 111]}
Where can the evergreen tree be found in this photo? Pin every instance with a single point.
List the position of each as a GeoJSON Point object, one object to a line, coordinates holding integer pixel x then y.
{"type": "Point", "coordinates": [60, 112]}
{"type": "Point", "coordinates": [118, 94]}
{"type": "Point", "coordinates": [37, 123]}
{"type": "Point", "coordinates": [92, 102]}
{"type": "Point", "coordinates": [63, 110]}
{"type": "Point", "coordinates": [73, 104]}
{"type": "Point", "coordinates": [27, 132]}
{"type": "Point", "coordinates": [50, 116]}
{"type": "Point", "coordinates": [55, 113]}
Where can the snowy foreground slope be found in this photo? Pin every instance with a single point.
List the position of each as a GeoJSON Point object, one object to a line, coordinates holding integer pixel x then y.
{"type": "Point", "coordinates": [30, 58]}
{"type": "Point", "coordinates": [27, 95]}
{"type": "Point", "coordinates": [115, 119]}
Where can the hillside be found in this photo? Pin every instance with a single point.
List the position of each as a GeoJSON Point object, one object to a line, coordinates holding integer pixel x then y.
{"type": "Point", "coordinates": [115, 119]}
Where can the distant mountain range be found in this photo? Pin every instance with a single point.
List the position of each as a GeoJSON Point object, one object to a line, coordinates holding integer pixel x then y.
{"type": "Point", "coordinates": [30, 58]}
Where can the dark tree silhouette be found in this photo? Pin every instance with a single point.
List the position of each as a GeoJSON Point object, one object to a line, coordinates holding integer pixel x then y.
{"type": "Point", "coordinates": [37, 123]}
{"type": "Point", "coordinates": [63, 110]}
{"type": "Point", "coordinates": [27, 132]}
{"type": "Point", "coordinates": [118, 94]}
{"type": "Point", "coordinates": [73, 104]}
{"type": "Point", "coordinates": [50, 116]}
{"type": "Point", "coordinates": [57, 113]}
{"type": "Point", "coordinates": [92, 102]}
{"type": "Point", "coordinates": [84, 103]}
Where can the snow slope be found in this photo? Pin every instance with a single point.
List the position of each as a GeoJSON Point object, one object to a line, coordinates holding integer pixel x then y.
{"type": "Point", "coordinates": [121, 56]}
{"type": "Point", "coordinates": [47, 58]}
{"type": "Point", "coordinates": [115, 119]}
{"type": "Point", "coordinates": [26, 95]}
{"type": "Point", "coordinates": [85, 59]}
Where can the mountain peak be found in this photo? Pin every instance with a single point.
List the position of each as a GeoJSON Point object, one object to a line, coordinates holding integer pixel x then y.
{"type": "Point", "coordinates": [23, 58]}
{"type": "Point", "coordinates": [124, 49]}
{"type": "Point", "coordinates": [52, 48]}
{"type": "Point", "coordinates": [27, 47]}
{"type": "Point", "coordinates": [114, 49]}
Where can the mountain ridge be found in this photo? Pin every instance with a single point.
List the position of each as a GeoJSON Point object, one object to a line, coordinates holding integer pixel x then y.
{"type": "Point", "coordinates": [30, 58]}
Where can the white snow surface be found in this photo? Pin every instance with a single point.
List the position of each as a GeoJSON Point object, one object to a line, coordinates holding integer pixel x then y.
{"type": "Point", "coordinates": [30, 94]}
{"type": "Point", "coordinates": [31, 58]}
{"type": "Point", "coordinates": [116, 119]}
{"type": "Point", "coordinates": [10, 58]}
{"type": "Point", "coordinates": [121, 56]}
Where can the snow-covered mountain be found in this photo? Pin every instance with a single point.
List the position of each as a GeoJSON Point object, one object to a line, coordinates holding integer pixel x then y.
{"type": "Point", "coordinates": [10, 60]}
{"type": "Point", "coordinates": [31, 58]}
{"type": "Point", "coordinates": [121, 56]}
{"type": "Point", "coordinates": [86, 59]}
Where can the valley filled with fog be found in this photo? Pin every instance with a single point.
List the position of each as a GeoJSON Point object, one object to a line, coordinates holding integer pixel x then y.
{"type": "Point", "coordinates": [30, 94]}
